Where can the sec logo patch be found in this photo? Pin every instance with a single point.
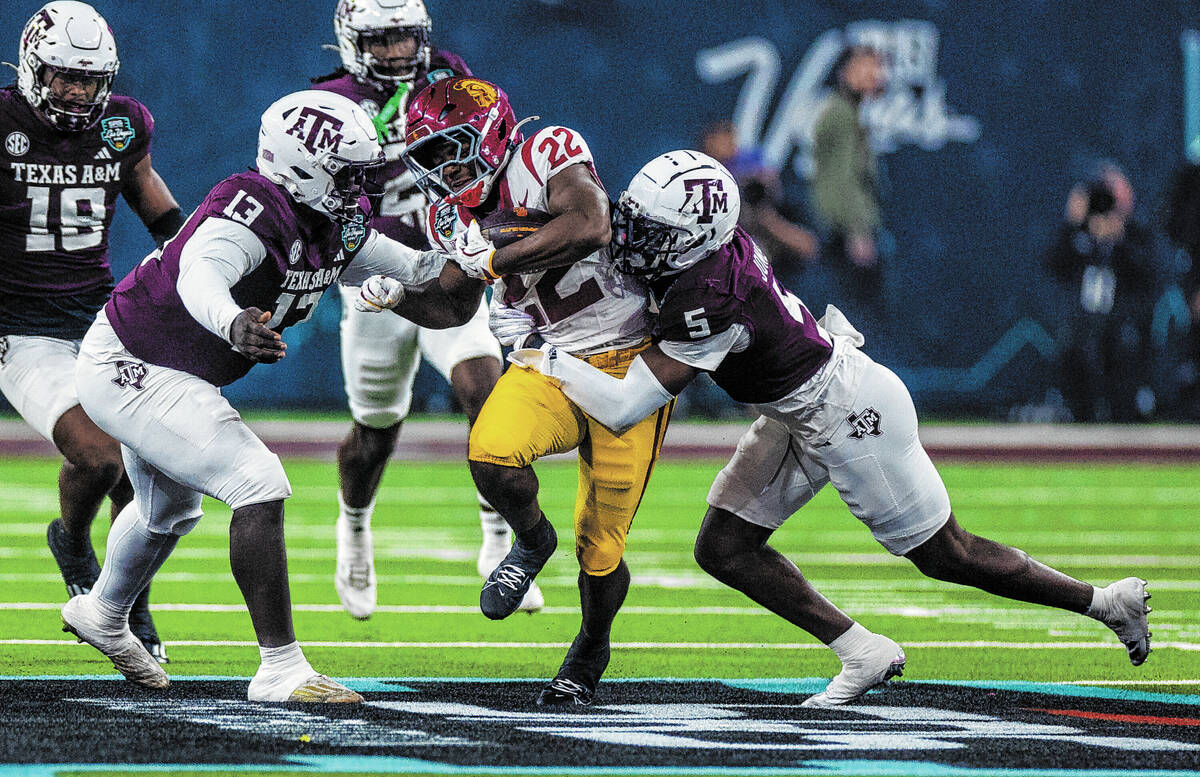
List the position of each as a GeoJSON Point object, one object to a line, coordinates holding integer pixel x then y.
{"type": "Point", "coordinates": [16, 144]}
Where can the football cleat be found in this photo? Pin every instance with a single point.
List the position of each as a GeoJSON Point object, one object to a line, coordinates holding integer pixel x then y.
{"type": "Point", "coordinates": [355, 576]}
{"type": "Point", "coordinates": [880, 663]}
{"type": "Point", "coordinates": [1125, 613]}
{"type": "Point", "coordinates": [79, 568]}
{"type": "Point", "coordinates": [506, 586]}
{"type": "Point", "coordinates": [317, 689]}
{"type": "Point", "coordinates": [125, 650]}
{"type": "Point", "coordinates": [142, 626]}
{"type": "Point", "coordinates": [495, 547]}
{"type": "Point", "coordinates": [577, 678]}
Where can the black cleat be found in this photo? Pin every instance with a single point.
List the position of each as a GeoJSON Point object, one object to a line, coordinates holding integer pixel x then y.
{"type": "Point", "coordinates": [142, 626]}
{"type": "Point", "coordinates": [507, 584]}
{"type": "Point", "coordinates": [577, 678]}
{"type": "Point", "coordinates": [79, 569]}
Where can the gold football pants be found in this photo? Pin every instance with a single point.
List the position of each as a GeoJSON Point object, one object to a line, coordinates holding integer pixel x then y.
{"type": "Point", "coordinates": [527, 416]}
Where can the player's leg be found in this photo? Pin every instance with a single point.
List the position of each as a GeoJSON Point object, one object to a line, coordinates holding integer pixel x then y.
{"type": "Point", "coordinates": [183, 439]}
{"type": "Point", "coordinates": [770, 477]}
{"type": "Point", "coordinates": [468, 357]}
{"type": "Point", "coordinates": [886, 478]}
{"type": "Point", "coordinates": [525, 417]}
{"type": "Point", "coordinates": [613, 474]}
{"type": "Point", "coordinates": [379, 362]}
{"type": "Point", "coordinates": [736, 553]}
{"type": "Point", "coordinates": [37, 377]}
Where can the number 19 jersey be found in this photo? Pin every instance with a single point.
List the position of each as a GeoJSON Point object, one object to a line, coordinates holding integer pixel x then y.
{"type": "Point", "coordinates": [58, 192]}
{"type": "Point", "coordinates": [585, 308]}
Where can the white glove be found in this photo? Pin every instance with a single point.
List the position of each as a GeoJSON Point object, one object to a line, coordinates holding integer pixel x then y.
{"type": "Point", "coordinates": [509, 325]}
{"type": "Point", "coordinates": [473, 253]}
{"type": "Point", "coordinates": [379, 293]}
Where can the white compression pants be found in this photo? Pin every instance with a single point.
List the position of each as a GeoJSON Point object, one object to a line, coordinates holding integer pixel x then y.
{"type": "Point", "coordinates": [382, 351]}
{"type": "Point", "coordinates": [180, 438]}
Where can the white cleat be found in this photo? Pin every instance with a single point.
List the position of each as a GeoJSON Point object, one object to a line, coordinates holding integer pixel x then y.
{"type": "Point", "coordinates": [495, 547]}
{"type": "Point", "coordinates": [316, 689]}
{"type": "Point", "coordinates": [126, 651]}
{"type": "Point", "coordinates": [355, 576]}
{"type": "Point", "coordinates": [883, 661]}
{"type": "Point", "coordinates": [1125, 613]}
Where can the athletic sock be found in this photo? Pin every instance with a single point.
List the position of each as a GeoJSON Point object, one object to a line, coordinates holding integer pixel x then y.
{"type": "Point", "coordinates": [852, 642]}
{"type": "Point", "coordinates": [1101, 604]}
{"type": "Point", "coordinates": [282, 671]}
{"type": "Point", "coordinates": [495, 528]}
{"type": "Point", "coordinates": [355, 517]}
{"type": "Point", "coordinates": [133, 555]}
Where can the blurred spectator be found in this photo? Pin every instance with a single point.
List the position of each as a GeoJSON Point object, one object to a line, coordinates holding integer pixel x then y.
{"type": "Point", "coordinates": [765, 213]}
{"type": "Point", "coordinates": [1183, 227]}
{"type": "Point", "coordinates": [1104, 258]}
{"type": "Point", "coordinates": [845, 181]}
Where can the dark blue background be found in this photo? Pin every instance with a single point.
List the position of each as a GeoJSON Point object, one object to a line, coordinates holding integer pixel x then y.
{"type": "Point", "coordinates": [1054, 86]}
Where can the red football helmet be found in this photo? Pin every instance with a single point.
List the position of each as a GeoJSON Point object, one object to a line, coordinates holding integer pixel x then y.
{"type": "Point", "coordinates": [460, 133]}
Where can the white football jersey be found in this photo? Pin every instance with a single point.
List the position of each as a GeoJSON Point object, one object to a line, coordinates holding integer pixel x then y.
{"type": "Point", "coordinates": [585, 308]}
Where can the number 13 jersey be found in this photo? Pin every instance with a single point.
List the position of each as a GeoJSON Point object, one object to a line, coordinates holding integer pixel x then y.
{"type": "Point", "coordinates": [585, 308]}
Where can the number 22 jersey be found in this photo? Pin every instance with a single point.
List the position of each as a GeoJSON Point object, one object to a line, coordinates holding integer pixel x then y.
{"type": "Point", "coordinates": [584, 308]}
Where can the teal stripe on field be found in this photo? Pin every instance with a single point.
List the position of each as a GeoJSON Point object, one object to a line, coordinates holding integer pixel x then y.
{"type": "Point", "coordinates": [397, 765]}
{"type": "Point", "coordinates": [798, 685]}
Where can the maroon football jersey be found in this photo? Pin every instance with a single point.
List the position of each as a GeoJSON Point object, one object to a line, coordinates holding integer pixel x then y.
{"type": "Point", "coordinates": [58, 192]}
{"type": "Point", "coordinates": [403, 203]}
{"type": "Point", "coordinates": [306, 253]}
{"type": "Point", "coordinates": [735, 285]}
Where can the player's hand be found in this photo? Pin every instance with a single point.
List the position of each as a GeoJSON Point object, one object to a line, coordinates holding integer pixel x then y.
{"type": "Point", "coordinates": [473, 253]}
{"type": "Point", "coordinates": [379, 293]}
{"type": "Point", "coordinates": [252, 339]}
{"type": "Point", "coordinates": [509, 325]}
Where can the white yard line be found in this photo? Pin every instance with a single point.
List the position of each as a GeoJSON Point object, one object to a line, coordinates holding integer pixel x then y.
{"type": "Point", "coordinates": [1191, 646]}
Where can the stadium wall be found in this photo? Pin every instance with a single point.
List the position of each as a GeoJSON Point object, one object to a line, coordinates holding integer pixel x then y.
{"type": "Point", "coordinates": [995, 110]}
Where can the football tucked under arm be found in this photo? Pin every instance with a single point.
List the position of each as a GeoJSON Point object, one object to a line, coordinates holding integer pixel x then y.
{"type": "Point", "coordinates": [618, 403]}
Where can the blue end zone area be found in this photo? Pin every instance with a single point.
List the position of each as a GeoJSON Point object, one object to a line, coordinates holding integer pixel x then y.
{"type": "Point", "coordinates": [53, 725]}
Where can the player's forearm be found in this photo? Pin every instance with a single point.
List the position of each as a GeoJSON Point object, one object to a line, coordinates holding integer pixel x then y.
{"type": "Point", "coordinates": [204, 289]}
{"type": "Point", "coordinates": [617, 403]}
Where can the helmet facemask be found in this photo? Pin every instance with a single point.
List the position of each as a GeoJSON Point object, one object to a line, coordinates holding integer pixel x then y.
{"type": "Point", "coordinates": [394, 69]}
{"type": "Point", "coordinates": [72, 100]}
{"type": "Point", "coordinates": [432, 157]}
{"type": "Point", "coordinates": [349, 182]}
{"type": "Point", "coordinates": [645, 247]}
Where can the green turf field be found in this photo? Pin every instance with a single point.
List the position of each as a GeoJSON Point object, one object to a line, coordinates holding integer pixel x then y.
{"type": "Point", "coordinates": [1099, 523]}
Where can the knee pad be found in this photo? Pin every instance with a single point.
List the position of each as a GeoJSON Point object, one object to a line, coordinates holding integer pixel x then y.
{"type": "Point", "coordinates": [259, 478]}
{"type": "Point", "coordinates": [494, 444]}
{"type": "Point", "coordinates": [599, 557]}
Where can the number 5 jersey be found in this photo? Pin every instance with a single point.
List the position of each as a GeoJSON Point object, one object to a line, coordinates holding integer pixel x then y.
{"type": "Point", "coordinates": [584, 308]}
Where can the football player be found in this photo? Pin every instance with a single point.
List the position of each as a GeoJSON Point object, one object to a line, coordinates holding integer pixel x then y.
{"type": "Point", "coordinates": [466, 149]}
{"type": "Point", "coordinates": [829, 414]}
{"type": "Point", "coordinates": [386, 59]}
{"type": "Point", "coordinates": [70, 147]}
{"type": "Point", "coordinates": [253, 259]}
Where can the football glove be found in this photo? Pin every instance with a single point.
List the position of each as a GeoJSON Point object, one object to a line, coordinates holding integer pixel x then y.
{"type": "Point", "coordinates": [509, 325]}
{"type": "Point", "coordinates": [379, 293]}
{"type": "Point", "coordinates": [473, 253]}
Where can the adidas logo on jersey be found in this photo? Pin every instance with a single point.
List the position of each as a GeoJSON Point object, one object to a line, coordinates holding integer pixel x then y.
{"type": "Point", "coordinates": [102, 154]}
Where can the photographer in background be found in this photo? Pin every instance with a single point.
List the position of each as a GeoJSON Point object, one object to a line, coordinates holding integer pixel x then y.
{"type": "Point", "coordinates": [1103, 258]}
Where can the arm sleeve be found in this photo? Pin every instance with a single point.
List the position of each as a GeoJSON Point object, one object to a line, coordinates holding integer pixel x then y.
{"type": "Point", "coordinates": [383, 256]}
{"type": "Point", "coordinates": [707, 354]}
{"type": "Point", "coordinates": [618, 403]}
{"type": "Point", "coordinates": [215, 257]}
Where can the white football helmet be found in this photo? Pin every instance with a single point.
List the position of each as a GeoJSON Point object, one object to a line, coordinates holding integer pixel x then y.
{"type": "Point", "coordinates": [319, 146]}
{"type": "Point", "coordinates": [680, 207]}
{"type": "Point", "coordinates": [387, 22]}
{"type": "Point", "coordinates": [69, 43]}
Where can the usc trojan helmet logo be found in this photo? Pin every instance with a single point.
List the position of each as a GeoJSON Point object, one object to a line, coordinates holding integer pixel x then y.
{"type": "Point", "coordinates": [483, 93]}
